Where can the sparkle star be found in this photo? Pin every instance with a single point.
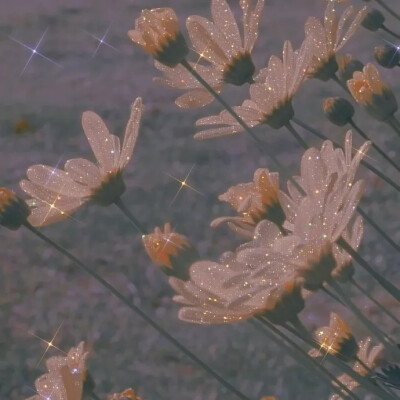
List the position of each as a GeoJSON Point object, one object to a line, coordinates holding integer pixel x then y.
{"type": "Point", "coordinates": [49, 344]}
{"type": "Point", "coordinates": [102, 41]}
{"type": "Point", "coordinates": [395, 46]}
{"type": "Point", "coordinates": [183, 183]}
{"type": "Point", "coordinates": [34, 51]}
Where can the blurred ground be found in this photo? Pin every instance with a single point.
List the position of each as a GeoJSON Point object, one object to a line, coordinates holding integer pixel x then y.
{"type": "Point", "coordinates": [39, 289]}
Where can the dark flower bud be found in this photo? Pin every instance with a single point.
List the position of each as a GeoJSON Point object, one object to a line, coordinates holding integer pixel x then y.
{"type": "Point", "coordinates": [387, 56]}
{"type": "Point", "coordinates": [347, 66]}
{"type": "Point", "coordinates": [13, 210]}
{"type": "Point", "coordinates": [373, 20]}
{"type": "Point", "coordinates": [338, 110]}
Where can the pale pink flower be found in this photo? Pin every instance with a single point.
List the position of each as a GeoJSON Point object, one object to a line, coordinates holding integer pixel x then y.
{"type": "Point", "coordinates": [56, 193]}
{"type": "Point", "coordinates": [226, 53]}
{"type": "Point", "coordinates": [270, 95]}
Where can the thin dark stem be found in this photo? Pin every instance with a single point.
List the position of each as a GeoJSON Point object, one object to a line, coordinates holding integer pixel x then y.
{"type": "Point", "coordinates": [387, 285]}
{"type": "Point", "coordinates": [297, 352]}
{"type": "Point", "coordinates": [342, 366]}
{"type": "Point", "coordinates": [139, 312]}
{"type": "Point", "coordinates": [261, 145]}
{"type": "Point", "coordinates": [340, 83]}
{"type": "Point", "coordinates": [94, 396]}
{"type": "Point", "coordinates": [388, 9]}
{"type": "Point", "coordinates": [386, 29]}
{"type": "Point", "coordinates": [394, 123]}
{"type": "Point", "coordinates": [378, 228]}
{"type": "Point", "coordinates": [376, 302]}
{"type": "Point", "coordinates": [138, 226]}
{"type": "Point", "coordinates": [333, 296]}
{"type": "Point", "coordinates": [376, 332]}
{"type": "Point", "coordinates": [374, 145]}
{"type": "Point", "coordinates": [296, 135]}
{"type": "Point", "coordinates": [363, 162]}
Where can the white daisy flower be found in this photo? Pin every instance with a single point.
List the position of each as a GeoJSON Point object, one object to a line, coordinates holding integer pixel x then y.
{"type": "Point", "coordinates": [219, 43]}
{"type": "Point", "coordinates": [56, 193]}
{"type": "Point", "coordinates": [329, 36]}
{"type": "Point", "coordinates": [270, 95]}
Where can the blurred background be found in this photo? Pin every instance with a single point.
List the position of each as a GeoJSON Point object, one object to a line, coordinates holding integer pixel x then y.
{"type": "Point", "coordinates": [87, 62]}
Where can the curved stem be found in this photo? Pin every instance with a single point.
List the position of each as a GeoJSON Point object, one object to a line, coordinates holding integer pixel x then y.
{"type": "Point", "coordinates": [376, 302]}
{"type": "Point", "coordinates": [387, 285]}
{"type": "Point", "coordinates": [261, 145]}
{"type": "Point", "coordinates": [376, 332]}
{"type": "Point", "coordinates": [139, 312]}
{"type": "Point", "coordinates": [388, 9]}
{"type": "Point", "coordinates": [363, 162]}
{"type": "Point", "coordinates": [298, 353]}
{"type": "Point", "coordinates": [342, 366]}
{"type": "Point", "coordinates": [386, 29]}
{"type": "Point", "coordinates": [374, 145]}
{"type": "Point", "coordinates": [138, 226]}
{"type": "Point", "coordinates": [394, 123]}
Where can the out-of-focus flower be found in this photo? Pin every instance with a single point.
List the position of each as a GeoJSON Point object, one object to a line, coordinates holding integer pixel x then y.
{"type": "Point", "coordinates": [254, 201]}
{"type": "Point", "coordinates": [369, 90]}
{"type": "Point", "coordinates": [373, 20]}
{"type": "Point", "coordinates": [14, 211]}
{"type": "Point", "coordinates": [65, 378]}
{"type": "Point", "coordinates": [127, 394]}
{"type": "Point", "coordinates": [56, 194]}
{"type": "Point", "coordinates": [369, 356]}
{"type": "Point", "coordinates": [270, 95]}
{"type": "Point", "coordinates": [347, 66]}
{"type": "Point", "coordinates": [338, 110]}
{"type": "Point", "coordinates": [335, 339]}
{"type": "Point", "coordinates": [219, 43]}
{"type": "Point", "coordinates": [171, 251]}
{"type": "Point", "coordinates": [390, 376]}
{"type": "Point", "coordinates": [328, 37]}
{"type": "Point", "coordinates": [388, 56]}
{"type": "Point", "coordinates": [157, 32]}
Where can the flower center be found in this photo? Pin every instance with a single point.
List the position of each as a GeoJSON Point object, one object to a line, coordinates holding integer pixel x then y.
{"type": "Point", "coordinates": [240, 70]}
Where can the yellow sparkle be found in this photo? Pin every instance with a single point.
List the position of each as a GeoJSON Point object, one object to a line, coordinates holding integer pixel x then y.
{"type": "Point", "coordinates": [183, 183]}
{"type": "Point", "coordinates": [49, 344]}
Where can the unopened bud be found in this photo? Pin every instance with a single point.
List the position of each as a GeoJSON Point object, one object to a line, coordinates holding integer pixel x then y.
{"type": "Point", "coordinates": [373, 20]}
{"type": "Point", "coordinates": [338, 110]}
{"type": "Point", "coordinates": [13, 210]}
{"type": "Point", "coordinates": [347, 66]}
{"type": "Point", "coordinates": [387, 56]}
{"type": "Point", "coordinates": [171, 251]}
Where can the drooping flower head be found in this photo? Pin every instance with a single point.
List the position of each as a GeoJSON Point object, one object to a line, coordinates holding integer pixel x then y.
{"type": "Point", "coordinates": [373, 93]}
{"type": "Point", "coordinates": [170, 250]}
{"type": "Point", "coordinates": [328, 37]}
{"type": "Point", "coordinates": [157, 32]}
{"type": "Point", "coordinates": [14, 211]}
{"type": "Point", "coordinates": [57, 193]}
{"type": "Point", "coordinates": [336, 339]}
{"type": "Point", "coordinates": [226, 56]}
{"type": "Point", "coordinates": [270, 95]}
{"type": "Point", "coordinates": [254, 201]}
